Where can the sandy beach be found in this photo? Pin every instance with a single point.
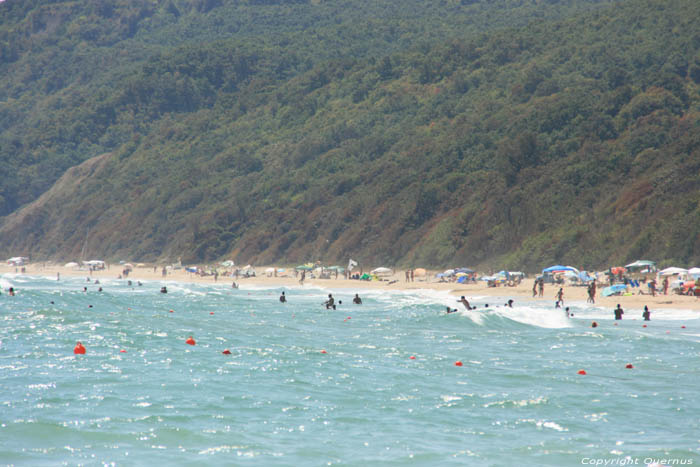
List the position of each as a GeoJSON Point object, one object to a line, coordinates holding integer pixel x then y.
{"type": "Point", "coordinates": [522, 292]}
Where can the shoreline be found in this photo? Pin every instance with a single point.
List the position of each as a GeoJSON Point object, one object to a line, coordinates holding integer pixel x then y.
{"type": "Point", "coordinates": [396, 282]}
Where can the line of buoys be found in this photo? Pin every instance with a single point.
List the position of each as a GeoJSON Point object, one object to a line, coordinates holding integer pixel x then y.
{"type": "Point", "coordinates": [190, 341]}
{"type": "Point", "coordinates": [79, 349]}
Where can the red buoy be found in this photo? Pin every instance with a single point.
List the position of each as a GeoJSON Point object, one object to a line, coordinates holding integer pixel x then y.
{"type": "Point", "coordinates": [629, 366]}
{"type": "Point", "coordinates": [594, 324]}
{"type": "Point", "coordinates": [211, 312]}
{"type": "Point", "coordinates": [323, 351]}
{"type": "Point", "coordinates": [79, 349]}
{"type": "Point", "coordinates": [226, 352]}
{"type": "Point", "coordinates": [458, 363]}
{"type": "Point", "coordinates": [190, 341]}
{"type": "Point", "coordinates": [171, 311]}
{"type": "Point", "coordinates": [683, 327]}
{"type": "Point", "coordinates": [644, 325]}
{"type": "Point", "coordinates": [412, 357]}
{"type": "Point", "coordinates": [122, 351]}
{"type": "Point", "coordinates": [581, 372]}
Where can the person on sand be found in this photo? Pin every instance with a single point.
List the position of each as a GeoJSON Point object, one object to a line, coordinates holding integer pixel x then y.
{"type": "Point", "coordinates": [652, 287]}
{"type": "Point", "coordinates": [283, 298]}
{"type": "Point", "coordinates": [303, 276]}
{"type": "Point", "coordinates": [534, 288]}
{"type": "Point", "coordinates": [646, 314]}
{"type": "Point", "coordinates": [464, 302]}
{"type": "Point", "coordinates": [664, 284]}
{"type": "Point", "coordinates": [541, 287]}
{"type": "Point", "coordinates": [618, 312]}
{"type": "Point", "coordinates": [330, 303]}
{"type": "Point", "coordinates": [234, 285]}
{"type": "Point", "coordinates": [357, 300]}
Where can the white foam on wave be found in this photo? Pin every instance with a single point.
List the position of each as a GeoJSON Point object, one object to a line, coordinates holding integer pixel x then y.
{"type": "Point", "coordinates": [535, 316]}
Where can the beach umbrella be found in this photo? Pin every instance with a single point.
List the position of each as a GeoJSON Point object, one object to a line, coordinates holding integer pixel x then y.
{"type": "Point", "coordinates": [304, 267]}
{"type": "Point", "coordinates": [382, 271]}
{"type": "Point", "coordinates": [466, 270]}
{"type": "Point", "coordinates": [559, 268]}
{"type": "Point", "coordinates": [129, 266]}
{"type": "Point", "coordinates": [449, 272]}
{"type": "Point", "coordinates": [228, 263]}
{"type": "Point", "coordinates": [612, 290]}
{"type": "Point", "coordinates": [672, 271]}
{"type": "Point", "coordinates": [641, 263]}
{"type": "Point", "coordinates": [70, 265]}
{"type": "Point", "coordinates": [695, 272]}
{"type": "Point", "coordinates": [461, 274]}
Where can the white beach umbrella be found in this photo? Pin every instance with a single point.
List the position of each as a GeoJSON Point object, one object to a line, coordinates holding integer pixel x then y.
{"type": "Point", "coordinates": [381, 271]}
{"type": "Point", "coordinates": [672, 271]}
{"type": "Point", "coordinates": [70, 265]}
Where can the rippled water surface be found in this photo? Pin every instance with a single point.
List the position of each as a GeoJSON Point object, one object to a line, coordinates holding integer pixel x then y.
{"type": "Point", "coordinates": [307, 386]}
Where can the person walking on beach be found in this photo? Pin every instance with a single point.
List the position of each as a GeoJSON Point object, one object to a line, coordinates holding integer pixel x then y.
{"type": "Point", "coordinates": [591, 293]}
{"type": "Point", "coordinates": [303, 276]}
{"type": "Point", "coordinates": [618, 312]}
{"type": "Point", "coordinates": [411, 275]}
{"type": "Point", "coordinates": [464, 302]}
{"type": "Point", "coordinates": [408, 275]}
{"type": "Point", "coordinates": [283, 298]}
{"type": "Point", "coordinates": [560, 297]}
{"type": "Point", "coordinates": [665, 285]}
{"type": "Point", "coordinates": [646, 314]}
{"type": "Point", "coordinates": [534, 288]}
{"type": "Point", "coordinates": [541, 287]}
{"type": "Point", "coordinates": [652, 287]}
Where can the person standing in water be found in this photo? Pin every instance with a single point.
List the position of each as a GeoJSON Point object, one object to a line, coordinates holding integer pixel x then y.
{"type": "Point", "coordinates": [283, 298]}
{"type": "Point", "coordinates": [618, 312]}
{"type": "Point", "coordinates": [330, 303]}
{"type": "Point", "coordinates": [357, 300]}
{"type": "Point", "coordinates": [464, 302]}
{"type": "Point", "coordinates": [560, 297]}
{"type": "Point", "coordinates": [646, 314]}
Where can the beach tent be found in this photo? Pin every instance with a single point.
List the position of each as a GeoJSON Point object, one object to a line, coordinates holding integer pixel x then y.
{"type": "Point", "coordinates": [641, 264]}
{"type": "Point", "coordinates": [695, 272]}
{"type": "Point", "coordinates": [305, 267]}
{"type": "Point", "coordinates": [70, 265]}
{"type": "Point", "coordinates": [615, 289]}
{"type": "Point", "coordinates": [228, 263]}
{"type": "Point", "coordinates": [17, 260]}
{"type": "Point", "coordinates": [382, 271]}
{"type": "Point", "coordinates": [672, 271]}
{"type": "Point", "coordinates": [191, 269]}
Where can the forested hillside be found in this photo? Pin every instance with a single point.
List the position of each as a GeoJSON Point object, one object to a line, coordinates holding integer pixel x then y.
{"type": "Point", "coordinates": [495, 133]}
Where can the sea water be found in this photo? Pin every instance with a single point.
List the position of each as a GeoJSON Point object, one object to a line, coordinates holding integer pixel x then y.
{"type": "Point", "coordinates": [362, 385]}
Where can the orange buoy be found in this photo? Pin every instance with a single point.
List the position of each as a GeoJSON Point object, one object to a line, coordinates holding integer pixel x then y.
{"type": "Point", "coordinates": [171, 311]}
{"type": "Point", "coordinates": [211, 312]}
{"type": "Point", "coordinates": [629, 366]}
{"type": "Point", "coordinates": [458, 363]}
{"type": "Point", "coordinates": [226, 352]}
{"type": "Point", "coordinates": [79, 349]}
{"type": "Point", "coordinates": [190, 341]}
{"type": "Point", "coordinates": [581, 372]}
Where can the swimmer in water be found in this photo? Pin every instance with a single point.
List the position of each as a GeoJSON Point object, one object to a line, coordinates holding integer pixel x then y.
{"type": "Point", "coordinates": [618, 312]}
{"type": "Point", "coordinates": [510, 303]}
{"type": "Point", "coordinates": [163, 290]}
{"type": "Point", "coordinates": [357, 300]}
{"type": "Point", "coordinates": [283, 298]}
{"type": "Point", "coordinates": [646, 314]}
{"type": "Point", "coordinates": [330, 303]}
{"type": "Point", "coordinates": [464, 302]}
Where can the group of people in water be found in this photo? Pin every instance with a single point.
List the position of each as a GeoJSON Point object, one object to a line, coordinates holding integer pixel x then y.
{"type": "Point", "coordinates": [330, 303]}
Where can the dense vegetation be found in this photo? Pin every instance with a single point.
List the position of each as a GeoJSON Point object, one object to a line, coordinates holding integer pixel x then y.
{"type": "Point", "coordinates": [453, 132]}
